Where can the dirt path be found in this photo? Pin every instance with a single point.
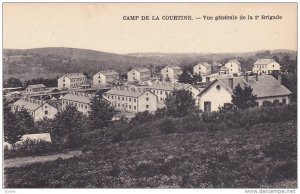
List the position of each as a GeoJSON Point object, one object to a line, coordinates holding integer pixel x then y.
{"type": "Point", "coordinates": [17, 162]}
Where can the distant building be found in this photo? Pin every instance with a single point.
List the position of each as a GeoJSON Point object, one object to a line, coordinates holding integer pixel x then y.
{"type": "Point", "coordinates": [265, 66]}
{"type": "Point", "coordinates": [233, 66]}
{"type": "Point", "coordinates": [171, 73]}
{"type": "Point", "coordinates": [131, 99]}
{"type": "Point", "coordinates": [105, 77]}
{"type": "Point", "coordinates": [71, 80]}
{"type": "Point", "coordinates": [36, 108]}
{"type": "Point", "coordinates": [138, 74]}
{"type": "Point", "coordinates": [35, 88]}
{"type": "Point", "coordinates": [202, 69]}
{"type": "Point", "coordinates": [78, 99]}
{"type": "Point", "coordinates": [219, 92]}
{"type": "Point", "coordinates": [163, 89]}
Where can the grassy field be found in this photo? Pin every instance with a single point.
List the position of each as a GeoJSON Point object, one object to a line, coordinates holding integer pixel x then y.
{"type": "Point", "coordinates": [264, 155]}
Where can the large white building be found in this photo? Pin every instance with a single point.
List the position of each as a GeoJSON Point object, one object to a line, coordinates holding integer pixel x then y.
{"type": "Point", "coordinates": [131, 99]}
{"type": "Point", "coordinates": [78, 99]}
{"type": "Point", "coordinates": [219, 93]}
{"type": "Point", "coordinates": [233, 66]}
{"type": "Point", "coordinates": [71, 80]}
{"type": "Point", "coordinates": [105, 77]}
{"type": "Point", "coordinates": [163, 89]}
{"type": "Point", "coordinates": [36, 108]}
{"type": "Point", "coordinates": [35, 88]}
{"type": "Point", "coordinates": [265, 66]}
{"type": "Point", "coordinates": [202, 69]}
{"type": "Point", "coordinates": [171, 73]}
{"type": "Point", "coordinates": [138, 74]}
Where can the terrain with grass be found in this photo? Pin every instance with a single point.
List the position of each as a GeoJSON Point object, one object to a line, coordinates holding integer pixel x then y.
{"type": "Point", "coordinates": [260, 155]}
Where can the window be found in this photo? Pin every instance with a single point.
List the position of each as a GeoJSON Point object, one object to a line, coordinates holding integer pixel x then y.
{"type": "Point", "coordinates": [283, 101]}
{"type": "Point", "coordinates": [218, 87]}
{"type": "Point", "coordinates": [45, 106]}
{"type": "Point", "coordinates": [160, 92]}
{"type": "Point", "coordinates": [130, 106]}
{"type": "Point", "coordinates": [147, 99]}
{"type": "Point", "coordinates": [134, 100]}
{"type": "Point", "coordinates": [86, 106]}
{"type": "Point", "coordinates": [118, 104]}
{"type": "Point", "coordinates": [161, 99]}
{"type": "Point", "coordinates": [118, 97]}
{"type": "Point", "coordinates": [134, 107]}
{"type": "Point", "coordinates": [99, 82]}
{"type": "Point", "coordinates": [46, 112]}
{"type": "Point", "coordinates": [129, 99]}
{"type": "Point", "coordinates": [147, 106]}
{"type": "Point", "coordinates": [122, 98]}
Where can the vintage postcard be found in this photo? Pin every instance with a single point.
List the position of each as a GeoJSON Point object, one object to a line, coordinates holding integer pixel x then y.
{"type": "Point", "coordinates": [150, 95]}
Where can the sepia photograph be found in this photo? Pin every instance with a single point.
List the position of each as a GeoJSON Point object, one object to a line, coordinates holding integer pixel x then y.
{"type": "Point", "coordinates": [150, 95]}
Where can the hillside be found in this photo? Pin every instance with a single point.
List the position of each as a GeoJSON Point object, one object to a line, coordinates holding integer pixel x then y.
{"type": "Point", "coordinates": [231, 158]}
{"type": "Point", "coordinates": [52, 61]}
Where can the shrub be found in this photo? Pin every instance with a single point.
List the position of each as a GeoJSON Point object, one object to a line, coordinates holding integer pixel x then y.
{"type": "Point", "coordinates": [31, 148]}
{"type": "Point", "coordinates": [167, 126]}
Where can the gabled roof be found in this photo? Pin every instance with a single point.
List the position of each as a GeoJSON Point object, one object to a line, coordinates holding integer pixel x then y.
{"type": "Point", "coordinates": [126, 91]}
{"type": "Point", "coordinates": [38, 137]}
{"type": "Point", "coordinates": [36, 86]}
{"type": "Point", "coordinates": [168, 86]}
{"type": "Point", "coordinates": [28, 105]}
{"type": "Point", "coordinates": [108, 72]}
{"type": "Point", "coordinates": [77, 98]}
{"type": "Point", "coordinates": [174, 67]}
{"type": "Point", "coordinates": [141, 69]}
{"type": "Point", "coordinates": [266, 86]}
{"type": "Point", "coordinates": [235, 61]}
{"type": "Point", "coordinates": [205, 64]}
{"type": "Point", "coordinates": [74, 75]}
{"type": "Point", "coordinates": [263, 61]}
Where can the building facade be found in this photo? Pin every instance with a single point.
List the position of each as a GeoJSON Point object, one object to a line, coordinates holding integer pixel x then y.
{"type": "Point", "coordinates": [233, 66]}
{"type": "Point", "coordinates": [171, 73]}
{"type": "Point", "coordinates": [36, 108]}
{"type": "Point", "coordinates": [131, 99]}
{"type": "Point", "coordinates": [138, 74]}
{"type": "Point", "coordinates": [266, 88]}
{"type": "Point", "coordinates": [105, 77]}
{"type": "Point", "coordinates": [265, 66]}
{"type": "Point", "coordinates": [163, 89]}
{"type": "Point", "coordinates": [71, 80]}
{"type": "Point", "coordinates": [35, 88]}
{"type": "Point", "coordinates": [202, 69]}
{"type": "Point", "coordinates": [78, 99]}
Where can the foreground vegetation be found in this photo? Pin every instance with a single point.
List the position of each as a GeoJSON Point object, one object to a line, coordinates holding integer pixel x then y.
{"type": "Point", "coordinates": [264, 155]}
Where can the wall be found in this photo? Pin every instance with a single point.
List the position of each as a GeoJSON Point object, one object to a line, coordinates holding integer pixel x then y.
{"type": "Point", "coordinates": [152, 102]}
{"type": "Point", "coordinates": [215, 96]}
{"type": "Point", "coordinates": [60, 82]}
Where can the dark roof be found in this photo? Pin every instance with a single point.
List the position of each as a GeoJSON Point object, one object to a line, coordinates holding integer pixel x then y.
{"type": "Point", "coordinates": [266, 86]}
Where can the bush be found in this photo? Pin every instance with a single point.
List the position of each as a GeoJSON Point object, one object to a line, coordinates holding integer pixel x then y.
{"type": "Point", "coordinates": [31, 148]}
{"type": "Point", "coordinates": [167, 126]}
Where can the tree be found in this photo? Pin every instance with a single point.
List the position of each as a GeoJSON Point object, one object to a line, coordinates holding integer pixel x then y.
{"type": "Point", "coordinates": [180, 103]}
{"type": "Point", "coordinates": [243, 98]}
{"type": "Point", "coordinates": [101, 112]}
{"type": "Point", "coordinates": [25, 121]}
{"type": "Point", "coordinates": [68, 128]}
{"type": "Point", "coordinates": [12, 131]}
{"type": "Point", "coordinates": [197, 78]}
{"type": "Point", "coordinates": [186, 78]}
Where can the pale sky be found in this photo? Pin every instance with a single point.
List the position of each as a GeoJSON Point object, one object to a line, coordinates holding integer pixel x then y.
{"type": "Point", "coordinates": [100, 26]}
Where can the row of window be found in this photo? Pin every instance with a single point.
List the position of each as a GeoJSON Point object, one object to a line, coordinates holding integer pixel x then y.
{"type": "Point", "coordinates": [129, 106]}
{"type": "Point", "coordinates": [77, 104]}
{"type": "Point", "coordinates": [114, 97]}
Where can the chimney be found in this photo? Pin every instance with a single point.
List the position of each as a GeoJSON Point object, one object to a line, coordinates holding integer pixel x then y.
{"type": "Point", "coordinates": [207, 80]}
{"type": "Point", "coordinates": [230, 82]}
{"type": "Point", "coordinates": [280, 79]}
{"type": "Point", "coordinates": [256, 77]}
